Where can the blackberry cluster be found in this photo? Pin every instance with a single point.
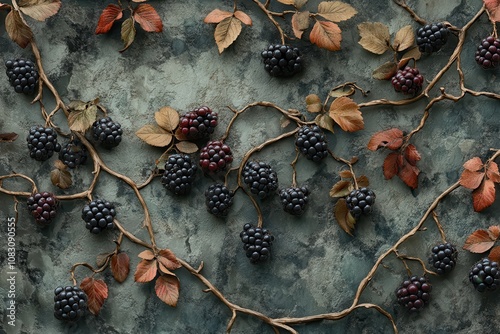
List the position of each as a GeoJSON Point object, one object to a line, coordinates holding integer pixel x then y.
{"type": "Point", "coordinates": [215, 156]}
{"type": "Point", "coordinates": [360, 201]}
{"type": "Point", "coordinates": [408, 81]}
{"type": "Point", "coordinates": [257, 243]}
{"type": "Point", "coordinates": [282, 60]}
{"type": "Point", "coordinates": [43, 207]}
{"type": "Point", "coordinates": [198, 123]}
{"type": "Point", "coordinates": [414, 293]}
{"type": "Point", "coordinates": [98, 215]}
{"type": "Point", "coordinates": [431, 37]}
{"type": "Point", "coordinates": [443, 258]}
{"type": "Point", "coordinates": [294, 200]}
{"type": "Point", "coordinates": [70, 303]}
{"type": "Point", "coordinates": [261, 178]}
{"type": "Point", "coordinates": [485, 275]}
{"type": "Point", "coordinates": [218, 199]}
{"type": "Point", "coordinates": [73, 154]}
{"type": "Point", "coordinates": [311, 142]}
{"type": "Point", "coordinates": [23, 75]}
{"type": "Point", "coordinates": [42, 143]}
{"type": "Point", "coordinates": [179, 174]}
{"type": "Point", "coordinates": [106, 132]}
{"type": "Point", "coordinates": [488, 52]}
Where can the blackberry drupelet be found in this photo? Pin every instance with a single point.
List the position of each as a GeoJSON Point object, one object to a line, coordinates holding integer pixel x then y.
{"type": "Point", "coordinates": [261, 178]}
{"type": "Point", "coordinates": [42, 142]}
{"type": "Point", "coordinates": [215, 156]}
{"type": "Point", "coordinates": [70, 303]}
{"type": "Point", "coordinates": [311, 142]}
{"type": "Point", "coordinates": [73, 154]}
{"type": "Point", "coordinates": [23, 75]}
{"type": "Point", "coordinates": [408, 81]}
{"type": "Point", "coordinates": [179, 174]}
{"type": "Point", "coordinates": [282, 60]}
{"type": "Point", "coordinates": [488, 52]}
{"type": "Point", "coordinates": [106, 132]}
{"type": "Point", "coordinates": [485, 275]}
{"type": "Point", "coordinates": [294, 200]}
{"type": "Point", "coordinates": [43, 207]}
{"type": "Point", "coordinates": [443, 258]}
{"type": "Point", "coordinates": [431, 37]}
{"type": "Point", "coordinates": [198, 123]}
{"type": "Point", "coordinates": [218, 199]}
{"type": "Point", "coordinates": [360, 201]}
{"type": "Point", "coordinates": [98, 215]}
{"type": "Point", "coordinates": [257, 243]}
{"type": "Point", "coordinates": [414, 293]}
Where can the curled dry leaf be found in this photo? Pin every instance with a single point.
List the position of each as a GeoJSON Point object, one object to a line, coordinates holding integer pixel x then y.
{"type": "Point", "coordinates": [493, 9]}
{"type": "Point", "coordinates": [127, 33]}
{"type": "Point", "coordinates": [167, 289]}
{"type": "Point", "coordinates": [17, 29]}
{"type": "Point", "coordinates": [344, 218]}
{"type": "Point", "coordinates": [341, 189]}
{"type": "Point", "coordinates": [120, 266]}
{"type": "Point", "coordinates": [326, 35]}
{"type": "Point", "coordinates": [409, 174]}
{"type": "Point", "coordinates": [393, 161]}
{"type": "Point", "coordinates": [494, 232]}
{"type": "Point", "coordinates": [300, 22]}
{"type": "Point", "coordinates": [148, 18]}
{"type": "Point", "coordinates": [412, 155]}
{"type": "Point", "coordinates": [479, 241]}
{"type": "Point", "coordinates": [97, 293]}
{"type": "Point", "coordinates": [168, 259]}
{"type": "Point", "coordinates": [216, 16]}
{"type": "Point", "coordinates": [313, 103]}
{"type": "Point", "coordinates": [82, 119]}
{"type": "Point", "coordinates": [336, 11]}
{"type": "Point", "coordinates": [108, 17]}
{"type": "Point", "coordinates": [405, 37]}
{"type": "Point", "coordinates": [40, 10]}
{"type": "Point", "coordinates": [392, 139]}
{"type": "Point", "coordinates": [484, 196]}
{"type": "Point", "coordinates": [345, 112]}
{"type": "Point", "coordinates": [324, 121]}
{"type": "Point", "coordinates": [341, 91]}
{"type": "Point", "coordinates": [167, 118]}
{"type": "Point", "coordinates": [226, 32]}
{"type": "Point", "coordinates": [186, 147]}
{"type": "Point", "coordinates": [60, 177]}
{"type": "Point", "coordinates": [8, 137]}
{"type": "Point", "coordinates": [385, 71]}
{"type": "Point", "coordinates": [495, 254]}
{"type": "Point", "coordinates": [154, 135]}
{"type": "Point", "coordinates": [375, 37]}
{"type": "Point", "coordinates": [145, 271]}
{"type": "Point", "coordinates": [243, 17]}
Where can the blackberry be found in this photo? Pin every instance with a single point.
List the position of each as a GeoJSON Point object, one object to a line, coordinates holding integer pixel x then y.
{"type": "Point", "coordinates": [257, 243]}
{"type": "Point", "coordinates": [485, 275]}
{"type": "Point", "coordinates": [282, 60]}
{"type": "Point", "coordinates": [42, 143]}
{"type": "Point", "coordinates": [311, 142]}
{"type": "Point", "coordinates": [443, 258]}
{"type": "Point", "coordinates": [294, 200]}
{"type": "Point", "coordinates": [23, 75]}
{"type": "Point", "coordinates": [431, 37]}
{"type": "Point", "coordinates": [98, 215]}
{"type": "Point", "coordinates": [70, 303]}
{"type": "Point", "coordinates": [198, 123]}
{"type": "Point", "coordinates": [73, 154]}
{"type": "Point", "coordinates": [360, 201]}
{"type": "Point", "coordinates": [43, 207]}
{"type": "Point", "coordinates": [218, 199]}
{"type": "Point", "coordinates": [179, 174]}
{"type": "Point", "coordinates": [414, 293]}
{"type": "Point", "coordinates": [408, 81]}
{"type": "Point", "coordinates": [261, 178]}
{"type": "Point", "coordinates": [488, 52]}
{"type": "Point", "coordinates": [215, 156]}
{"type": "Point", "coordinates": [106, 132]}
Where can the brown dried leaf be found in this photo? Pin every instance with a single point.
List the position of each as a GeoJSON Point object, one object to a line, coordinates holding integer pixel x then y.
{"type": "Point", "coordinates": [139, 0]}
{"type": "Point", "coordinates": [164, 269]}
{"type": "Point", "coordinates": [336, 11]}
{"type": "Point", "coordinates": [108, 17]}
{"type": "Point", "coordinates": [495, 254]}
{"type": "Point", "coordinates": [284, 122]}
{"type": "Point", "coordinates": [186, 147]}
{"type": "Point", "coordinates": [40, 10]}
{"type": "Point", "coordinates": [127, 33]}
{"type": "Point", "coordinates": [385, 71]}
{"type": "Point", "coordinates": [8, 137]}
{"type": "Point", "coordinates": [17, 29]}
{"type": "Point", "coordinates": [412, 155]}
{"type": "Point", "coordinates": [474, 164]}
{"type": "Point", "coordinates": [146, 255]}
{"type": "Point", "coordinates": [148, 18]}
{"type": "Point", "coordinates": [226, 32]}
{"type": "Point", "coordinates": [97, 293]}
{"type": "Point", "coordinates": [494, 232]}
{"type": "Point", "coordinates": [344, 218]}
{"type": "Point", "coordinates": [120, 266]}
{"type": "Point", "coordinates": [346, 174]}
{"type": "Point", "coordinates": [471, 180]}
{"type": "Point", "coordinates": [341, 189]}
{"type": "Point", "coordinates": [409, 174]}
{"type": "Point", "coordinates": [82, 120]}
{"type": "Point", "coordinates": [493, 9]}
{"type": "Point", "coordinates": [405, 37]}
{"type": "Point", "coordinates": [326, 35]}
{"type": "Point", "coordinates": [101, 259]}
{"type": "Point", "coordinates": [300, 22]}
{"type": "Point", "coordinates": [287, 2]}
{"type": "Point", "coordinates": [154, 135]}
{"type": "Point", "coordinates": [167, 118]}
{"type": "Point", "coordinates": [168, 259]}
{"type": "Point", "coordinates": [167, 289]}
{"type": "Point", "coordinates": [392, 139]}
{"type": "Point", "coordinates": [363, 181]}
{"type": "Point", "coordinates": [479, 242]}
{"type": "Point", "coordinates": [299, 3]}
{"type": "Point", "coordinates": [338, 92]}
{"type": "Point", "coordinates": [412, 53]}
{"type": "Point", "coordinates": [243, 17]}
{"type": "Point", "coordinates": [492, 172]}
{"type": "Point", "coordinates": [60, 177]}
{"type": "Point", "coordinates": [375, 37]}
{"type": "Point", "coordinates": [77, 105]}
{"type": "Point", "coordinates": [391, 166]}
{"type": "Point", "coordinates": [345, 112]}
{"type": "Point", "coordinates": [145, 271]}
{"type": "Point", "coordinates": [324, 121]}
{"type": "Point", "coordinates": [217, 16]}
{"type": "Point", "coordinates": [313, 103]}
{"type": "Point", "coordinates": [484, 196]}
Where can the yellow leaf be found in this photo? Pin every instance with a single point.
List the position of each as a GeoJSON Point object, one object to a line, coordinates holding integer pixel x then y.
{"type": "Point", "coordinates": [226, 32]}
{"type": "Point", "coordinates": [405, 38]}
{"type": "Point", "coordinates": [167, 118]}
{"type": "Point", "coordinates": [326, 35]}
{"type": "Point", "coordinates": [375, 37]}
{"type": "Point", "coordinates": [127, 33]}
{"type": "Point", "coordinates": [313, 103]}
{"type": "Point", "coordinates": [324, 121]}
{"type": "Point", "coordinates": [300, 22]}
{"type": "Point", "coordinates": [345, 112]}
{"type": "Point", "coordinates": [154, 135]}
{"type": "Point", "coordinates": [336, 11]}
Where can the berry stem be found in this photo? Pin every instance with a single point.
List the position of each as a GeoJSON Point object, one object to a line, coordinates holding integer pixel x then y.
{"type": "Point", "coordinates": [263, 7]}
{"type": "Point", "coordinates": [17, 193]}
{"type": "Point", "coordinates": [439, 226]}
{"type": "Point", "coordinates": [402, 4]}
{"type": "Point", "coordinates": [349, 164]}
{"type": "Point", "coordinates": [294, 173]}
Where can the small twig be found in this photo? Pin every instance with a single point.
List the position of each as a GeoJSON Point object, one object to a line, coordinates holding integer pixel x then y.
{"type": "Point", "coordinates": [439, 226]}
{"type": "Point", "coordinates": [294, 173]}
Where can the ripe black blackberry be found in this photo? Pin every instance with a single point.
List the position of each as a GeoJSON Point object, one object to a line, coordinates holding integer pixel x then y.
{"type": "Point", "coordinates": [431, 37]}
{"type": "Point", "coordinates": [261, 178]}
{"type": "Point", "coordinates": [70, 303]}
{"type": "Point", "coordinates": [23, 75]}
{"type": "Point", "coordinates": [294, 199]}
{"type": "Point", "coordinates": [179, 174]}
{"type": "Point", "coordinates": [282, 60]}
{"type": "Point", "coordinates": [43, 207]}
{"type": "Point", "coordinates": [360, 201]}
{"type": "Point", "coordinates": [42, 142]}
{"type": "Point", "coordinates": [414, 293]}
{"type": "Point", "coordinates": [443, 258]}
{"type": "Point", "coordinates": [218, 199]}
{"type": "Point", "coordinates": [408, 81]}
{"type": "Point", "coordinates": [485, 275]}
{"type": "Point", "coordinates": [73, 154]}
{"type": "Point", "coordinates": [215, 156]}
{"type": "Point", "coordinates": [106, 132]}
{"type": "Point", "coordinates": [488, 52]}
{"type": "Point", "coordinates": [311, 142]}
{"type": "Point", "coordinates": [257, 243]}
{"type": "Point", "coordinates": [198, 123]}
{"type": "Point", "coordinates": [98, 215]}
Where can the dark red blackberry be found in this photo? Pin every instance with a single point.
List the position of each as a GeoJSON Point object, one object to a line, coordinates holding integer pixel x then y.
{"type": "Point", "coordinates": [261, 178]}
{"type": "Point", "coordinates": [70, 303]}
{"type": "Point", "coordinates": [360, 201]}
{"type": "Point", "coordinates": [106, 132]}
{"type": "Point", "coordinates": [215, 156]}
{"type": "Point", "coordinates": [179, 174]}
{"type": "Point", "coordinates": [485, 275]}
{"type": "Point", "coordinates": [42, 143]}
{"type": "Point", "coordinates": [282, 60]}
{"type": "Point", "coordinates": [488, 52]}
{"type": "Point", "coordinates": [414, 293]}
{"type": "Point", "coordinates": [408, 81]}
{"type": "Point", "coordinates": [218, 199]}
{"type": "Point", "coordinates": [198, 123]}
{"type": "Point", "coordinates": [294, 200]}
{"type": "Point", "coordinates": [443, 258]}
{"type": "Point", "coordinates": [23, 75]}
{"type": "Point", "coordinates": [98, 215]}
{"type": "Point", "coordinates": [257, 243]}
{"type": "Point", "coordinates": [311, 142]}
{"type": "Point", "coordinates": [431, 37]}
{"type": "Point", "coordinates": [73, 154]}
{"type": "Point", "coordinates": [43, 207]}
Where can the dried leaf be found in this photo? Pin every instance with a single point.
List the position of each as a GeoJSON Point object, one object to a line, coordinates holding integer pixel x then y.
{"type": "Point", "coordinates": [108, 16]}
{"type": "Point", "coordinates": [164, 269]}
{"type": "Point", "coordinates": [479, 242]}
{"type": "Point", "coordinates": [495, 254]}
{"type": "Point", "coordinates": [139, 0]}
{"type": "Point", "coordinates": [186, 147]}
{"type": "Point", "coordinates": [326, 35]}
{"type": "Point", "coordinates": [226, 32]}
{"type": "Point", "coordinates": [412, 53]}
{"type": "Point", "coordinates": [484, 196]}
{"type": "Point", "coordinates": [494, 232]}
{"type": "Point", "coordinates": [375, 37]}
{"type": "Point", "coordinates": [313, 103]}
{"type": "Point", "coordinates": [299, 3]}
{"type": "Point", "coordinates": [243, 17]}
{"type": "Point", "coordinates": [405, 37]}
{"type": "Point", "coordinates": [300, 22]}
{"type": "Point", "coordinates": [101, 259]}
{"type": "Point", "coordinates": [40, 10]}
{"type": "Point", "coordinates": [385, 71]}
{"type": "Point", "coordinates": [154, 135]}
{"type": "Point", "coordinates": [324, 121]}
{"type": "Point", "coordinates": [391, 166]}
{"type": "Point", "coordinates": [217, 16]}
{"type": "Point", "coordinates": [492, 172]}
{"type": "Point", "coordinates": [82, 120]}
{"type": "Point", "coordinates": [345, 112]}
{"type": "Point", "coordinates": [344, 218]}
{"type": "Point", "coordinates": [148, 18]}
{"type": "Point", "coordinates": [336, 11]}
{"type": "Point", "coordinates": [284, 122]}
{"type": "Point", "coordinates": [8, 137]}
{"type": "Point", "coordinates": [409, 174]}
{"type": "Point", "coordinates": [168, 259]}
{"type": "Point", "coordinates": [120, 266]}
{"type": "Point", "coordinates": [145, 271]}
{"type": "Point", "coordinates": [167, 289]}
{"type": "Point", "coordinates": [363, 181]}
{"type": "Point", "coordinates": [127, 33]}
{"type": "Point", "coordinates": [17, 29]}
{"type": "Point", "coordinates": [60, 177]}
{"type": "Point", "coordinates": [411, 154]}
{"type": "Point", "coordinates": [474, 164]}
{"type": "Point", "coordinates": [338, 92]}
{"type": "Point", "coordinates": [345, 174]}
{"type": "Point", "coordinates": [97, 293]}
{"type": "Point", "coordinates": [341, 189]}
{"type": "Point", "coordinates": [167, 118]}
{"type": "Point", "coordinates": [77, 105]}
{"type": "Point", "coordinates": [492, 7]}
{"type": "Point", "coordinates": [471, 180]}
{"type": "Point", "coordinates": [287, 2]}
{"type": "Point", "coordinates": [392, 139]}
{"type": "Point", "coordinates": [146, 255]}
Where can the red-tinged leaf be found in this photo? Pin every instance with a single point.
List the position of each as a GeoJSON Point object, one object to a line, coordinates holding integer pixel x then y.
{"type": "Point", "coordinates": [345, 174]}
{"type": "Point", "coordinates": [344, 218]}
{"type": "Point", "coordinates": [97, 293]}
{"type": "Point", "coordinates": [168, 259]}
{"type": "Point", "coordinates": [167, 289]}
{"type": "Point", "coordinates": [492, 172]}
{"type": "Point", "coordinates": [494, 232]}
{"type": "Point", "coordinates": [128, 33]}
{"type": "Point", "coordinates": [145, 271]}
{"type": "Point", "coordinates": [108, 16]}
{"type": "Point", "coordinates": [493, 8]}
{"type": "Point", "coordinates": [409, 174]}
{"type": "Point", "coordinates": [164, 269]}
{"type": "Point", "coordinates": [243, 17]}
{"type": "Point", "coordinates": [495, 254]}
{"type": "Point", "coordinates": [326, 35]}
{"type": "Point", "coordinates": [412, 155]}
{"type": "Point", "coordinates": [40, 10]}
{"type": "Point", "coordinates": [217, 16]}
{"type": "Point", "coordinates": [345, 112]}
{"type": "Point", "coordinates": [385, 71]}
{"type": "Point", "coordinates": [226, 32]}
{"type": "Point", "coordinates": [146, 255]}
{"type": "Point", "coordinates": [479, 242]}
{"type": "Point", "coordinates": [300, 22]}
{"type": "Point", "coordinates": [341, 189]}
{"type": "Point", "coordinates": [483, 196]}
{"type": "Point", "coordinates": [148, 18]}
{"type": "Point", "coordinates": [471, 180]}
{"type": "Point", "coordinates": [120, 266]}
{"type": "Point", "coordinates": [392, 139]}
{"type": "Point", "coordinates": [8, 137]}
{"type": "Point", "coordinates": [17, 29]}
{"type": "Point", "coordinates": [392, 163]}
{"type": "Point", "coordinates": [474, 164]}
